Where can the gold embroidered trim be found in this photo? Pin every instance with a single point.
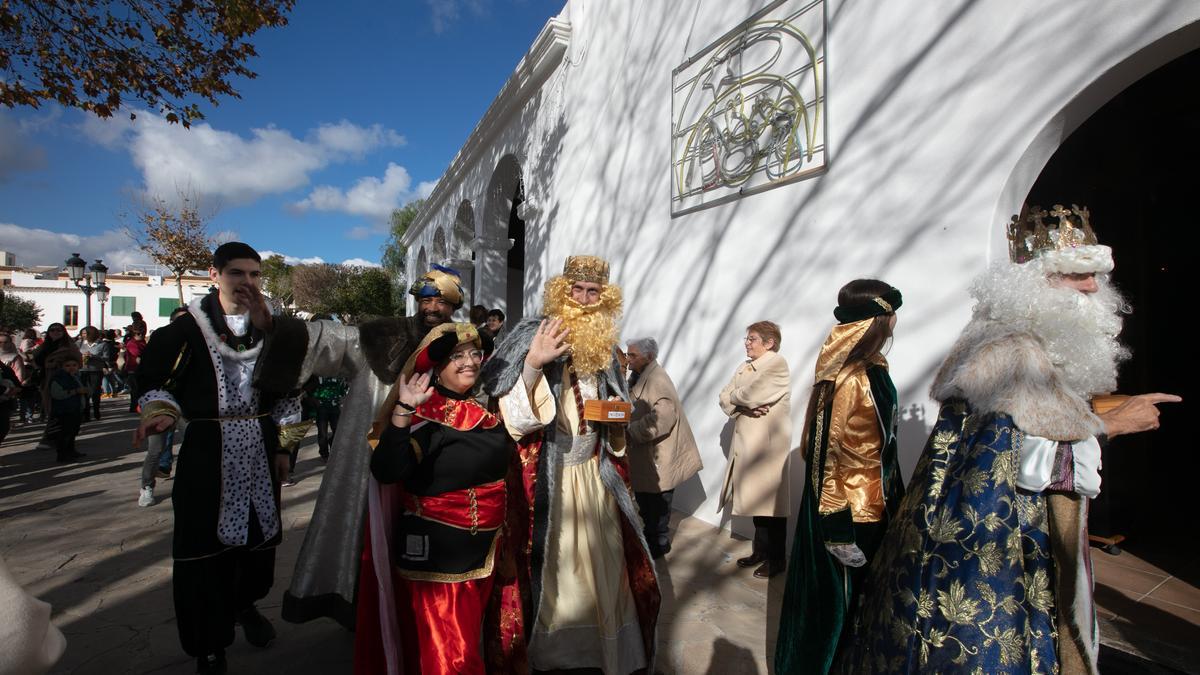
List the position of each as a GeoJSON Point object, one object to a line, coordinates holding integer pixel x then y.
{"type": "Point", "coordinates": [291, 434]}
{"type": "Point", "coordinates": [230, 418]}
{"type": "Point", "coordinates": [483, 572]}
{"type": "Point", "coordinates": [155, 408]}
{"type": "Point", "coordinates": [885, 305]}
{"type": "Point", "coordinates": [473, 508]}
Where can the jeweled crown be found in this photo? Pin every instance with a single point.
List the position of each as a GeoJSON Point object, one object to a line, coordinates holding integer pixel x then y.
{"type": "Point", "coordinates": [586, 268]}
{"type": "Point", "coordinates": [1029, 235]}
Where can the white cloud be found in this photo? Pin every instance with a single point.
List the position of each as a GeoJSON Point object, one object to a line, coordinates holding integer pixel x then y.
{"type": "Point", "coordinates": [293, 260]}
{"type": "Point", "coordinates": [233, 169]}
{"type": "Point", "coordinates": [360, 262]}
{"type": "Point", "coordinates": [370, 197]}
{"type": "Point", "coordinates": [317, 260]}
{"type": "Point", "coordinates": [354, 140]}
{"type": "Point", "coordinates": [17, 152]}
{"type": "Point", "coordinates": [36, 246]}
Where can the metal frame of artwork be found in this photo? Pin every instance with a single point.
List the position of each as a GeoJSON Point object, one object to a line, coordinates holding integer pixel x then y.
{"type": "Point", "coordinates": [748, 110]}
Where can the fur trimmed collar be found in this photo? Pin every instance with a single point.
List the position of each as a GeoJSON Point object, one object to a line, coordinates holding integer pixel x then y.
{"type": "Point", "coordinates": [388, 342]}
{"type": "Point", "coordinates": [199, 311]}
{"type": "Point", "coordinates": [999, 369]}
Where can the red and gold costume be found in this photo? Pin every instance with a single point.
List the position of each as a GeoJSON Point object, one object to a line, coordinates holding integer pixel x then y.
{"type": "Point", "coordinates": [439, 578]}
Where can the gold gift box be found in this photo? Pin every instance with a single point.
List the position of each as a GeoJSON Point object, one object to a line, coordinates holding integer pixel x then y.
{"type": "Point", "coordinates": [1106, 402]}
{"type": "Point", "coordinates": [616, 412]}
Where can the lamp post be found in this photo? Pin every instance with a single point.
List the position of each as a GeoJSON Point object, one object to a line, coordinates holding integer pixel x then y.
{"type": "Point", "coordinates": [102, 297]}
{"type": "Point", "coordinates": [91, 284]}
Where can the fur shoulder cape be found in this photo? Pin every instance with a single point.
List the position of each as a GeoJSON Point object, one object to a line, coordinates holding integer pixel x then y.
{"type": "Point", "coordinates": [999, 369]}
{"type": "Point", "coordinates": [388, 342]}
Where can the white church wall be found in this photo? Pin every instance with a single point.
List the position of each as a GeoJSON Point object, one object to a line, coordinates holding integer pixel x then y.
{"type": "Point", "coordinates": [939, 119]}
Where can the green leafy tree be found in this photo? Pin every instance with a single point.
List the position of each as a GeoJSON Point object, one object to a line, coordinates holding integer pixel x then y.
{"type": "Point", "coordinates": [277, 279]}
{"type": "Point", "coordinates": [362, 293]}
{"type": "Point", "coordinates": [18, 314]}
{"type": "Point", "coordinates": [96, 55]}
{"type": "Point", "coordinates": [394, 252]}
{"type": "Point", "coordinates": [175, 237]}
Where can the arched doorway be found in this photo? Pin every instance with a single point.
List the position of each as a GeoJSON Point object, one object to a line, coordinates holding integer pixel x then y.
{"type": "Point", "coordinates": [502, 244]}
{"type": "Point", "coordinates": [460, 248]}
{"type": "Point", "coordinates": [439, 251]}
{"type": "Point", "coordinates": [1133, 164]}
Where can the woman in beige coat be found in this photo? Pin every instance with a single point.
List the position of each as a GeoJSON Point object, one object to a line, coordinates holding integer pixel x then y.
{"type": "Point", "coordinates": [758, 398]}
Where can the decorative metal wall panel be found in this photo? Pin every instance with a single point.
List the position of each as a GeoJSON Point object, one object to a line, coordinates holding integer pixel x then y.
{"type": "Point", "coordinates": [748, 111]}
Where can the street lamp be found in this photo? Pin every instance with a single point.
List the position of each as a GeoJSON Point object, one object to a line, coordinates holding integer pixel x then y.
{"type": "Point", "coordinates": [102, 297]}
{"type": "Point", "coordinates": [75, 268]}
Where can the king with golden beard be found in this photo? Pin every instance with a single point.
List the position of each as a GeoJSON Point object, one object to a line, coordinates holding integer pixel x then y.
{"type": "Point", "coordinates": [589, 308]}
{"type": "Point", "coordinates": [588, 560]}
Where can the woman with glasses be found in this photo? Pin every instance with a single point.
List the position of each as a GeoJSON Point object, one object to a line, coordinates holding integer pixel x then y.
{"type": "Point", "coordinates": [759, 399]}
{"type": "Point", "coordinates": [436, 517]}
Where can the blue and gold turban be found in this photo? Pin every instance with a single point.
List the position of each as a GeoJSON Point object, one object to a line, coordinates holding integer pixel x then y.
{"type": "Point", "coordinates": [441, 282]}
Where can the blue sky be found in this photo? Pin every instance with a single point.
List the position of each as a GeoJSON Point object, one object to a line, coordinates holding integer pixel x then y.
{"type": "Point", "coordinates": [358, 107]}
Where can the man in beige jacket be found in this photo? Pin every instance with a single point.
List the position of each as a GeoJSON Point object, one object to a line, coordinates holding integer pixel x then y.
{"type": "Point", "coordinates": [662, 450]}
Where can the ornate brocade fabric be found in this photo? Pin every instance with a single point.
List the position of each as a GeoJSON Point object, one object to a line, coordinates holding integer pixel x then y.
{"type": "Point", "coordinates": [963, 581]}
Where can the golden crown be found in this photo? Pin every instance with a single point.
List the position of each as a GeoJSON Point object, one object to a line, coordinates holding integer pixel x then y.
{"type": "Point", "coordinates": [1029, 235]}
{"type": "Point", "coordinates": [586, 268]}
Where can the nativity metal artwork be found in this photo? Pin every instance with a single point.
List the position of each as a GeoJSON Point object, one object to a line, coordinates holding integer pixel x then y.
{"type": "Point", "coordinates": [748, 111]}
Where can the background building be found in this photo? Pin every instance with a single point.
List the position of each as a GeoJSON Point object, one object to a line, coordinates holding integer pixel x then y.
{"type": "Point", "coordinates": [154, 295]}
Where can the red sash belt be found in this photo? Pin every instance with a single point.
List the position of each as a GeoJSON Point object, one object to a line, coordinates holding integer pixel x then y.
{"type": "Point", "coordinates": [477, 508]}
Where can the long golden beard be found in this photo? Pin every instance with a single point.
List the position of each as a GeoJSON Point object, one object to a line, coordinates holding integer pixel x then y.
{"type": "Point", "coordinates": [593, 328]}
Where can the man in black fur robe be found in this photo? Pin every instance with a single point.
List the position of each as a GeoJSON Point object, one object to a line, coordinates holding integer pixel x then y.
{"type": "Point", "coordinates": [369, 357]}
{"type": "Point", "coordinates": [226, 494]}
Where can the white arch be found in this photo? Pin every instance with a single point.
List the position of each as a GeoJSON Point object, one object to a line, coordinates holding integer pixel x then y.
{"type": "Point", "coordinates": [1104, 88]}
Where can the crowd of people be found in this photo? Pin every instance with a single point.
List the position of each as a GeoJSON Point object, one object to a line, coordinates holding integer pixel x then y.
{"type": "Point", "coordinates": [497, 499]}
{"type": "Point", "coordinates": [53, 378]}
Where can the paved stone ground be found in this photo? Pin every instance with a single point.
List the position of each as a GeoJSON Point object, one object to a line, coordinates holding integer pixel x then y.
{"type": "Point", "coordinates": [74, 535]}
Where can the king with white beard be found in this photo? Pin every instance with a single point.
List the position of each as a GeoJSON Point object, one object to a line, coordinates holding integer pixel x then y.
{"type": "Point", "coordinates": [986, 568]}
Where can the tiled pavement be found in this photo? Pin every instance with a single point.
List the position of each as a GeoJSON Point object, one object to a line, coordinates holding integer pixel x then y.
{"type": "Point", "coordinates": [74, 535]}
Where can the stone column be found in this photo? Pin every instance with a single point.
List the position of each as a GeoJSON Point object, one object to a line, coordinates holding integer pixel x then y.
{"type": "Point", "coordinates": [491, 271]}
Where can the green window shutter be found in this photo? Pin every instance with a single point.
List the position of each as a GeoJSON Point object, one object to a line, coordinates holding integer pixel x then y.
{"type": "Point", "coordinates": [123, 305]}
{"type": "Point", "coordinates": [166, 306]}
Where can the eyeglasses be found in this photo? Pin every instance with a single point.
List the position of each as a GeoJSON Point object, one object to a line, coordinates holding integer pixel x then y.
{"type": "Point", "coordinates": [473, 354]}
{"type": "Point", "coordinates": [751, 339]}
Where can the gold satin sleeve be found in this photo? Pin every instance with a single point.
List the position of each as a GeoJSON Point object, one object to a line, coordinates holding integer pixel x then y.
{"type": "Point", "coordinates": [852, 475]}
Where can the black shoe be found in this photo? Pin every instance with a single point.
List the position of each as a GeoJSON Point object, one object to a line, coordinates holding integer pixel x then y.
{"type": "Point", "coordinates": [751, 560]}
{"type": "Point", "coordinates": [769, 569]}
{"type": "Point", "coordinates": [213, 663]}
{"type": "Point", "coordinates": [258, 631]}
{"type": "Point", "coordinates": [71, 457]}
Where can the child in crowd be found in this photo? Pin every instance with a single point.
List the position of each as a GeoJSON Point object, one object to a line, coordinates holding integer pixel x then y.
{"type": "Point", "coordinates": [66, 408]}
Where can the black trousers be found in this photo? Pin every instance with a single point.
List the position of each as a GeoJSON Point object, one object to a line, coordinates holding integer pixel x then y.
{"type": "Point", "coordinates": [132, 388]}
{"type": "Point", "coordinates": [92, 379]}
{"type": "Point", "coordinates": [656, 520]}
{"type": "Point", "coordinates": [327, 421]}
{"type": "Point", "coordinates": [60, 434]}
{"type": "Point", "coordinates": [209, 592]}
{"type": "Point", "coordinates": [770, 537]}
{"type": "Point", "coordinates": [6, 410]}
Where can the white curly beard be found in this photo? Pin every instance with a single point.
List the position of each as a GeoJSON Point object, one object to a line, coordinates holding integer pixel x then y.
{"type": "Point", "coordinates": [1078, 330]}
